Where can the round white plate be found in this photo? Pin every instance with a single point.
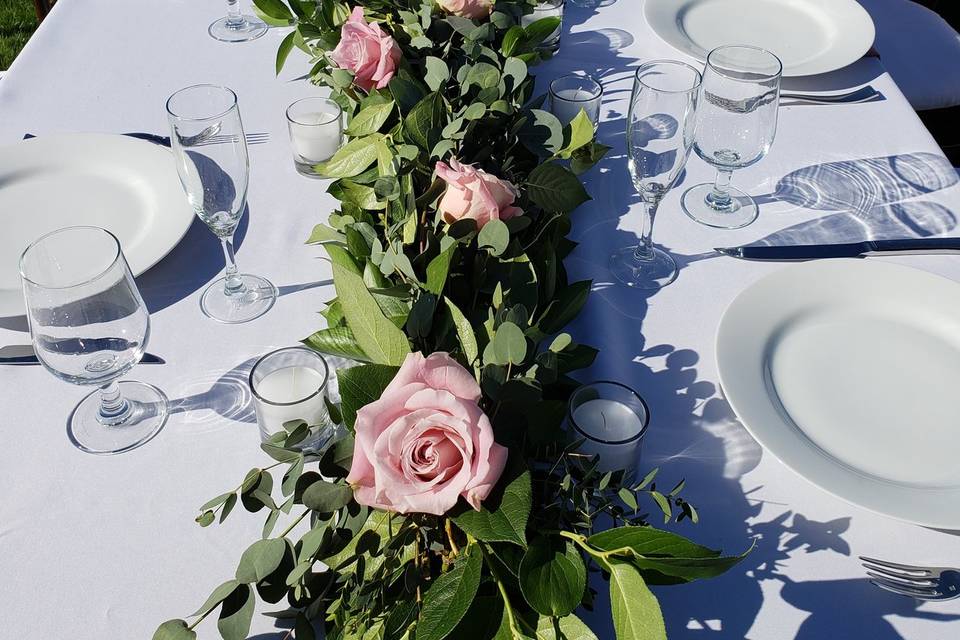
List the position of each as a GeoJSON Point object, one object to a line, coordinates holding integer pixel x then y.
{"type": "Point", "coordinates": [809, 36]}
{"type": "Point", "coordinates": [127, 186]}
{"type": "Point", "coordinates": [848, 371]}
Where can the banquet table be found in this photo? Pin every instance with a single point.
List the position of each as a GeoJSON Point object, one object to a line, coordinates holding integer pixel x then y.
{"type": "Point", "coordinates": [107, 547]}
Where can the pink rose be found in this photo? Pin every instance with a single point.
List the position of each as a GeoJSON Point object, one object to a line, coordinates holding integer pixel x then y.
{"type": "Point", "coordinates": [474, 193]}
{"type": "Point", "coordinates": [467, 8]}
{"type": "Point", "coordinates": [366, 50]}
{"type": "Point", "coordinates": [425, 442]}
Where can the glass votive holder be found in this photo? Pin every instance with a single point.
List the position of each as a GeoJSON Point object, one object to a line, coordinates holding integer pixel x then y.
{"type": "Point", "coordinates": [571, 93]}
{"type": "Point", "coordinates": [316, 130]}
{"type": "Point", "coordinates": [290, 384]}
{"type": "Point", "coordinates": [611, 418]}
{"type": "Point", "coordinates": [547, 9]}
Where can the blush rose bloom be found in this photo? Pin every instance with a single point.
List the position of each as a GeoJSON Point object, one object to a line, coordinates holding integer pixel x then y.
{"type": "Point", "coordinates": [366, 50]}
{"type": "Point", "coordinates": [474, 193]}
{"type": "Point", "coordinates": [425, 442]}
{"type": "Point", "coordinates": [467, 8]}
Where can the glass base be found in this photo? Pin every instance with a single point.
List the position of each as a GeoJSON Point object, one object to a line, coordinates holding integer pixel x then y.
{"type": "Point", "coordinates": [250, 28]}
{"type": "Point", "coordinates": [148, 413]}
{"type": "Point", "coordinates": [306, 170]}
{"type": "Point", "coordinates": [254, 300]}
{"type": "Point", "coordinates": [649, 275]}
{"type": "Point", "coordinates": [742, 210]}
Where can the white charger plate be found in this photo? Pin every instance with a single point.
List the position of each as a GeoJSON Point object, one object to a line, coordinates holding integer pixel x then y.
{"type": "Point", "coordinates": [809, 36]}
{"type": "Point", "coordinates": [848, 371]}
{"type": "Point", "coordinates": [125, 185]}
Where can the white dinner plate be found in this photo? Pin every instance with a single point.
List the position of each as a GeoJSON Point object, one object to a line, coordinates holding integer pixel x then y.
{"type": "Point", "coordinates": [809, 36]}
{"type": "Point", "coordinates": [125, 185]}
{"type": "Point", "coordinates": [848, 371]}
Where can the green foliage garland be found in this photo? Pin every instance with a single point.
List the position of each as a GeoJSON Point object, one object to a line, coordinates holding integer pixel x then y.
{"type": "Point", "coordinates": [496, 298]}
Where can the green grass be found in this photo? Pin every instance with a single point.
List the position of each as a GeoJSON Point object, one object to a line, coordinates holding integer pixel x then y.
{"type": "Point", "coordinates": [17, 22]}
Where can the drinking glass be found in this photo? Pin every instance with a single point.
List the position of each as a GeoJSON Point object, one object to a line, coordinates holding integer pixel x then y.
{"type": "Point", "coordinates": [546, 9]}
{"type": "Point", "coordinates": [89, 326]}
{"type": "Point", "coordinates": [571, 93]}
{"type": "Point", "coordinates": [211, 154]}
{"type": "Point", "coordinates": [736, 123]}
{"type": "Point", "coordinates": [236, 26]}
{"type": "Point", "coordinates": [659, 138]}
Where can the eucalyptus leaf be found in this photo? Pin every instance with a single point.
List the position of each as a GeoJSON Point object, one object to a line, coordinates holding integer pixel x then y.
{"type": "Point", "coordinates": [174, 630]}
{"type": "Point", "coordinates": [437, 72]}
{"type": "Point", "coordinates": [494, 235]}
{"type": "Point", "coordinates": [260, 560]}
{"type": "Point", "coordinates": [326, 497]}
{"type": "Point", "coordinates": [510, 344]}
{"type": "Point", "coordinates": [236, 613]}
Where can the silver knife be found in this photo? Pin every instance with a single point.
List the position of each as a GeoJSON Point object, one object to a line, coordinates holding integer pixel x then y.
{"type": "Point", "coordinates": [20, 354]}
{"type": "Point", "coordinates": [801, 252]}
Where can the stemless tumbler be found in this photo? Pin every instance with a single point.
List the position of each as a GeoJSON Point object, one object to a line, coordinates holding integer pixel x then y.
{"type": "Point", "coordinates": [736, 123]}
{"type": "Point", "coordinates": [210, 149]}
{"type": "Point", "coordinates": [90, 326]}
{"type": "Point", "coordinates": [659, 137]}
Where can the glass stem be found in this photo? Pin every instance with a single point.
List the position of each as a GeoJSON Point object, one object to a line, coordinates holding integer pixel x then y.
{"type": "Point", "coordinates": [114, 408]}
{"type": "Point", "coordinates": [234, 18]}
{"type": "Point", "coordinates": [644, 250]}
{"type": "Point", "coordinates": [233, 282]}
{"type": "Point", "coordinates": [720, 198]}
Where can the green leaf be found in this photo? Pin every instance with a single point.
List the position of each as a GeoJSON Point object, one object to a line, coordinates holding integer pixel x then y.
{"type": "Point", "coordinates": [511, 39]}
{"type": "Point", "coordinates": [275, 9]}
{"type": "Point", "coordinates": [286, 46]}
{"type": "Point", "coordinates": [552, 576]}
{"type": "Point", "coordinates": [577, 134]}
{"type": "Point", "coordinates": [542, 133]}
{"type": "Point", "coordinates": [509, 344]}
{"type": "Point", "coordinates": [327, 497]}
{"type": "Point", "coordinates": [449, 597]}
{"type": "Point", "coordinates": [359, 386]}
{"type": "Point", "coordinates": [291, 476]}
{"type": "Point", "coordinates": [565, 307]}
{"type": "Point", "coordinates": [504, 514]}
{"type": "Point", "coordinates": [571, 628]}
{"type": "Point", "coordinates": [425, 121]}
{"type": "Point", "coordinates": [338, 341]}
{"type": "Point", "coordinates": [665, 553]}
{"type": "Point", "coordinates": [370, 119]}
{"type": "Point", "coordinates": [228, 507]}
{"type": "Point", "coordinates": [555, 188]}
{"type": "Point", "coordinates": [537, 32]}
{"type": "Point", "coordinates": [216, 502]}
{"type": "Point", "coordinates": [438, 269]}
{"type": "Point", "coordinates": [437, 72]}
{"type": "Point", "coordinates": [303, 628]}
{"type": "Point", "coordinates": [219, 595]}
{"type": "Point", "coordinates": [322, 234]}
{"type": "Point", "coordinates": [379, 338]}
{"type": "Point", "coordinates": [236, 614]}
{"type": "Point", "coordinates": [278, 453]}
{"type": "Point", "coordinates": [629, 498]}
{"type": "Point", "coordinates": [494, 236]}
{"type": "Point", "coordinates": [377, 525]}
{"type": "Point", "coordinates": [468, 340]}
{"type": "Point", "coordinates": [174, 630]}
{"type": "Point", "coordinates": [636, 612]}
{"type": "Point", "coordinates": [360, 195]}
{"type": "Point", "coordinates": [351, 159]}
{"type": "Point", "coordinates": [475, 111]}
{"type": "Point", "coordinates": [406, 90]}
{"type": "Point", "coordinates": [260, 560]}
{"type": "Point", "coordinates": [205, 519]}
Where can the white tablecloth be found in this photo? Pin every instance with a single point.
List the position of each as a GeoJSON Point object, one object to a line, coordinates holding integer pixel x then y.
{"type": "Point", "coordinates": [106, 547]}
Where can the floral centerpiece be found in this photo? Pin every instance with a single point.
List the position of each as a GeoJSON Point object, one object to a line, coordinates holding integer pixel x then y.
{"type": "Point", "coordinates": [455, 504]}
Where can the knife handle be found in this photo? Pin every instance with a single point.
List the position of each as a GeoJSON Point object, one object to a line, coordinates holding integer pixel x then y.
{"type": "Point", "coordinates": [913, 247]}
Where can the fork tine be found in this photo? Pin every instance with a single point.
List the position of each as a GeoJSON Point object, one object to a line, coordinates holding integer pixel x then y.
{"type": "Point", "coordinates": [894, 565]}
{"type": "Point", "coordinates": [907, 583]}
{"type": "Point", "coordinates": [904, 591]}
{"type": "Point", "coordinates": [898, 575]}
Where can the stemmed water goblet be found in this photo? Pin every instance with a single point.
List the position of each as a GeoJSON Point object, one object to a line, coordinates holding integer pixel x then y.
{"type": "Point", "coordinates": [89, 326]}
{"type": "Point", "coordinates": [237, 26]}
{"type": "Point", "coordinates": [659, 138]}
{"type": "Point", "coordinates": [208, 142]}
{"type": "Point", "coordinates": [736, 124]}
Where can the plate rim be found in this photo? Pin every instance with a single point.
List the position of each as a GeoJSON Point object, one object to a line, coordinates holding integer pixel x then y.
{"type": "Point", "coordinates": [794, 461]}
{"type": "Point", "coordinates": [90, 139]}
{"type": "Point", "coordinates": [693, 51]}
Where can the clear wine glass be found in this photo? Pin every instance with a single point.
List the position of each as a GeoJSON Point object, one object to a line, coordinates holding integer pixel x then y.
{"type": "Point", "coordinates": [206, 134]}
{"type": "Point", "coordinates": [659, 138]}
{"type": "Point", "coordinates": [90, 326]}
{"type": "Point", "coordinates": [736, 124]}
{"type": "Point", "coordinates": [237, 26]}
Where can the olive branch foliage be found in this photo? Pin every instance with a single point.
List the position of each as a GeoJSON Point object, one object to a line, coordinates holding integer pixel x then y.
{"type": "Point", "coordinates": [497, 299]}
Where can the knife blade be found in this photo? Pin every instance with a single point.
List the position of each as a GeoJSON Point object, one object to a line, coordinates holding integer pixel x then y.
{"type": "Point", "coordinates": [23, 354]}
{"type": "Point", "coordinates": [801, 252]}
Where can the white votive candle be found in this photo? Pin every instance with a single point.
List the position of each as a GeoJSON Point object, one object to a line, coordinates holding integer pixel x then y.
{"type": "Point", "coordinates": [611, 418]}
{"type": "Point", "coordinates": [290, 384]}
{"type": "Point", "coordinates": [546, 9]}
{"type": "Point", "coordinates": [569, 94]}
{"type": "Point", "coordinates": [316, 131]}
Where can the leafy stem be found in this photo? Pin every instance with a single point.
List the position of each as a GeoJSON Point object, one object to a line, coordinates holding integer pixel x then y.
{"type": "Point", "coordinates": [294, 523]}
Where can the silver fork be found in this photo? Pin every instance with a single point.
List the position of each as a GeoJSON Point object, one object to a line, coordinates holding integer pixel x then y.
{"type": "Point", "coordinates": [251, 138]}
{"type": "Point", "coordinates": [922, 583]}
